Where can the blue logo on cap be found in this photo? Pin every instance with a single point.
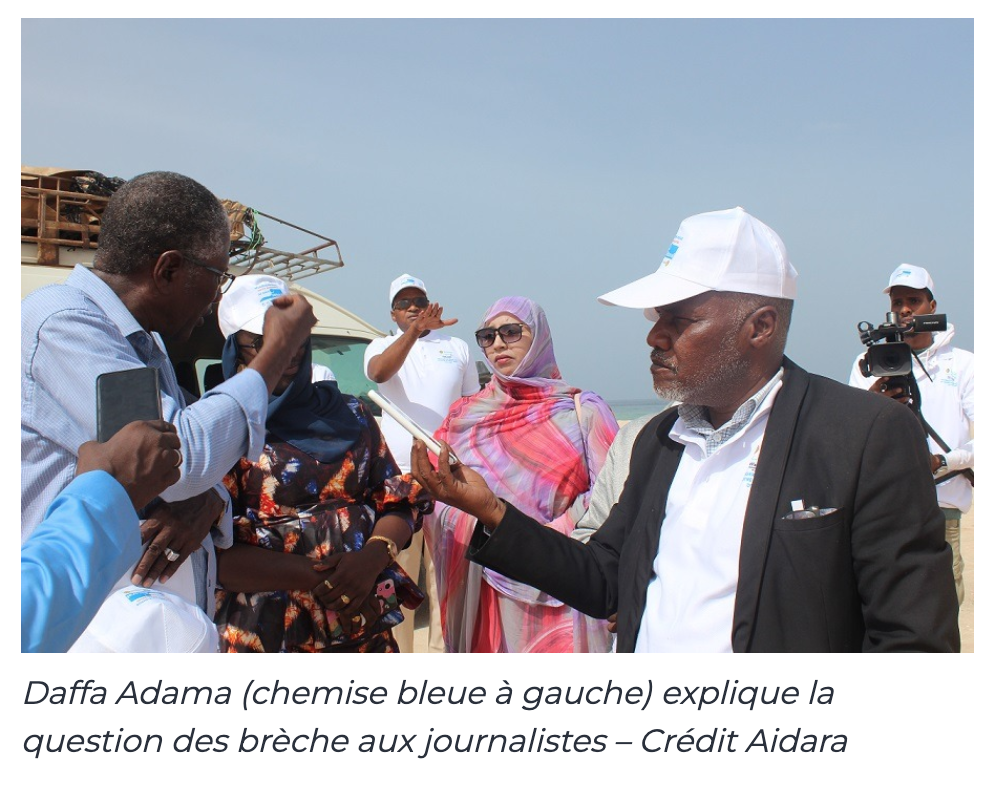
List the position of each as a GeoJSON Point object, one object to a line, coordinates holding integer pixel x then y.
{"type": "Point", "coordinates": [140, 595]}
{"type": "Point", "coordinates": [267, 293]}
{"type": "Point", "coordinates": [673, 247]}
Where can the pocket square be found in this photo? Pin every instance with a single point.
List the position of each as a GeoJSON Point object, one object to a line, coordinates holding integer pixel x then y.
{"type": "Point", "coordinates": [809, 513]}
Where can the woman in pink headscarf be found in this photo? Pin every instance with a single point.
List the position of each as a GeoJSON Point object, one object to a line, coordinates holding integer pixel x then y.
{"type": "Point", "coordinates": [539, 443]}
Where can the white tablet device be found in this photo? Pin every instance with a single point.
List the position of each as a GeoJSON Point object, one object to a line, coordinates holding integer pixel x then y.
{"type": "Point", "coordinates": [405, 421]}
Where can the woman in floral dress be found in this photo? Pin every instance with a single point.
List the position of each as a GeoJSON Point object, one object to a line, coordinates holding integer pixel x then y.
{"type": "Point", "coordinates": [318, 518]}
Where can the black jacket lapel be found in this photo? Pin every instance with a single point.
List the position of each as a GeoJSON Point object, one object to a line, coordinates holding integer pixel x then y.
{"type": "Point", "coordinates": [763, 501]}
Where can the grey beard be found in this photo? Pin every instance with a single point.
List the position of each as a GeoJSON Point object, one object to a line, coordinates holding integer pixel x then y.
{"type": "Point", "coordinates": [711, 386]}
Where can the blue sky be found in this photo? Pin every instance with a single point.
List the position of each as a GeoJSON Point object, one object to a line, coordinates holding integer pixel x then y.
{"type": "Point", "coordinates": [553, 159]}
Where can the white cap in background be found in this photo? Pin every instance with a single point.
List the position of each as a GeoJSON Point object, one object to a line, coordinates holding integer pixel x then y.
{"type": "Point", "coordinates": [403, 281]}
{"type": "Point", "coordinates": [910, 276]}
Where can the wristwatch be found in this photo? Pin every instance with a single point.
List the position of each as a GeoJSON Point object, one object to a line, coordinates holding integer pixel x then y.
{"type": "Point", "coordinates": [942, 464]}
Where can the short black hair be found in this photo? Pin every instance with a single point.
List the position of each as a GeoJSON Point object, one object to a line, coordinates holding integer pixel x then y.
{"type": "Point", "coordinates": [747, 303]}
{"type": "Point", "coordinates": [156, 212]}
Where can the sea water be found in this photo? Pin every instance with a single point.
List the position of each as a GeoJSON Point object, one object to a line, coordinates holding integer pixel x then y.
{"type": "Point", "coordinates": [631, 409]}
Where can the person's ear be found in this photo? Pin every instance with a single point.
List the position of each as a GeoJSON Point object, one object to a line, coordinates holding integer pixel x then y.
{"type": "Point", "coordinates": [764, 325]}
{"type": "Point", "coordinates": [167, 269]}
{"type": "Point", "coordinates": [934, 305]}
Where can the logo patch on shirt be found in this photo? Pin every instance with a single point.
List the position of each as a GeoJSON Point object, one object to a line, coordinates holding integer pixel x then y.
{"type": "Point", "coordinates": [747, 480]}
{"type": "Point", "coordinates": [950, 378]}
{"type": "Point", "coordinates": [447, 356]}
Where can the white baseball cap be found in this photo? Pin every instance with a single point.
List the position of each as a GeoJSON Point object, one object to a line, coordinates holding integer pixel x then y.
{"type": "Point", "coordinates": [136, 620]}
{"type": "Point", "coordinates": [243, 306]}
{"type": "Point", "coordinates": [910, 276]}
{"type": "Point", "coordinates": [724, 251]}
{"type": "Point", "coordinates": [403, 281]}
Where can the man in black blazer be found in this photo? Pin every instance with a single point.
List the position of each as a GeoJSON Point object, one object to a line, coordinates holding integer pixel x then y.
{"type": "Point", "coordinates": [771, 510]}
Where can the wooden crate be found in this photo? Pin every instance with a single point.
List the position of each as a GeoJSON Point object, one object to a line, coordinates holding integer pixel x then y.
{"type": "Point", "coordinates": [54, 214]}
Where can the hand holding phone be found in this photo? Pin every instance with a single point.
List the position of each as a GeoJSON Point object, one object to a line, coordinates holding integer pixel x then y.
{"type": "Point", "coordinates": [126, 396]}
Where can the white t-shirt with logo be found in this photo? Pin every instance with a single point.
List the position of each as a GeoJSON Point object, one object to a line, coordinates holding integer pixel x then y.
{"type": "Point", "coordinates": [437, 372]}
{"type": "Point", "coordinates": [946, 378]}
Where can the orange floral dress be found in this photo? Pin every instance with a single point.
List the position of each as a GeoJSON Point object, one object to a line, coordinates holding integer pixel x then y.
{"type": "Point", "coordinates": [289, 502]}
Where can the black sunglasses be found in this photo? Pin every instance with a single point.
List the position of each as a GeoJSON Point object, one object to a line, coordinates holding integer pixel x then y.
{"type": "Point", "coordinates": [223, 278]}
{"type": "Point", "coordinates": [404, 303]}
{"type": "Point", "coordinates": [510, 332]}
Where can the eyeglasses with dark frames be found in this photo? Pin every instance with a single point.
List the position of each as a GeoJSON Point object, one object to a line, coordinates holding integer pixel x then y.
{"type": "Point", "coordinates": [510, 332]}
{"type": "Point", "coordinates": [405, 303]}
{"type": "Point", "coordinates": [223, 278]}
{"type": "Point", "coordinates": [255, 344]}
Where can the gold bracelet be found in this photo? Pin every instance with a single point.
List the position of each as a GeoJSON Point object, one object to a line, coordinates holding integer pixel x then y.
{"type": "Point", "coordinates": [392, 548]}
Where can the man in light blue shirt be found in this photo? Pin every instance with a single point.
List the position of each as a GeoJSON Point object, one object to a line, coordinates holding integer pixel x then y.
{"type": "Point", "coordinates": [160, 267]}
{"type": "Point", "coordinates": [89, 536]}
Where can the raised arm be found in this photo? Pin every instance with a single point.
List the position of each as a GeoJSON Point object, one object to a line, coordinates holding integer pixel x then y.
{"type": "Point", "coordinates": [75, 346]}
{"type": "Point", "coordinates": [382, 367]}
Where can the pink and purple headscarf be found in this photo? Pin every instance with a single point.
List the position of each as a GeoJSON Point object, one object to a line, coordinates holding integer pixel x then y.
{"type": "Point", "coordinates": [523, 435]}
{"type": "Point", "coordinates": [538, 367]}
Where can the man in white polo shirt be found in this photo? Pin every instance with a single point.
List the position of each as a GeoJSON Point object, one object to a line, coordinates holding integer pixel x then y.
{"type": "Point", "coordinates": [772, 510]}
{"type": "Point", "coordinates": [946, 384]}
{"type": "Point", "coordinates": [422, 371]}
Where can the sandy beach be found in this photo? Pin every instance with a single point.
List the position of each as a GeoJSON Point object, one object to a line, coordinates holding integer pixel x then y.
{"type": "Point", "coordinates": [965, 614]}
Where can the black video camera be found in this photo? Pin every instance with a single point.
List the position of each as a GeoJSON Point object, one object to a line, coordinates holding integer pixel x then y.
{"type": "Point", "coordinates": [890, 356]}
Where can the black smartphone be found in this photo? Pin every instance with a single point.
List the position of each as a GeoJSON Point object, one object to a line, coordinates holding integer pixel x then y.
{"type": "Point", "coordinates": [127, 396]}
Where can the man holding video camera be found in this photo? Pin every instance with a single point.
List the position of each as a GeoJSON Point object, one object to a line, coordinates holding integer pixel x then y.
{"type": "Point", "coordinates": [945, 392]}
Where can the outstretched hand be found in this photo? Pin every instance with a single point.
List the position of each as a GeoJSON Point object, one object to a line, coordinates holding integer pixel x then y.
{"type": "Point", "coordinates": [456, 485]}
{"type": "Point", "coordinates": [431, 319]}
